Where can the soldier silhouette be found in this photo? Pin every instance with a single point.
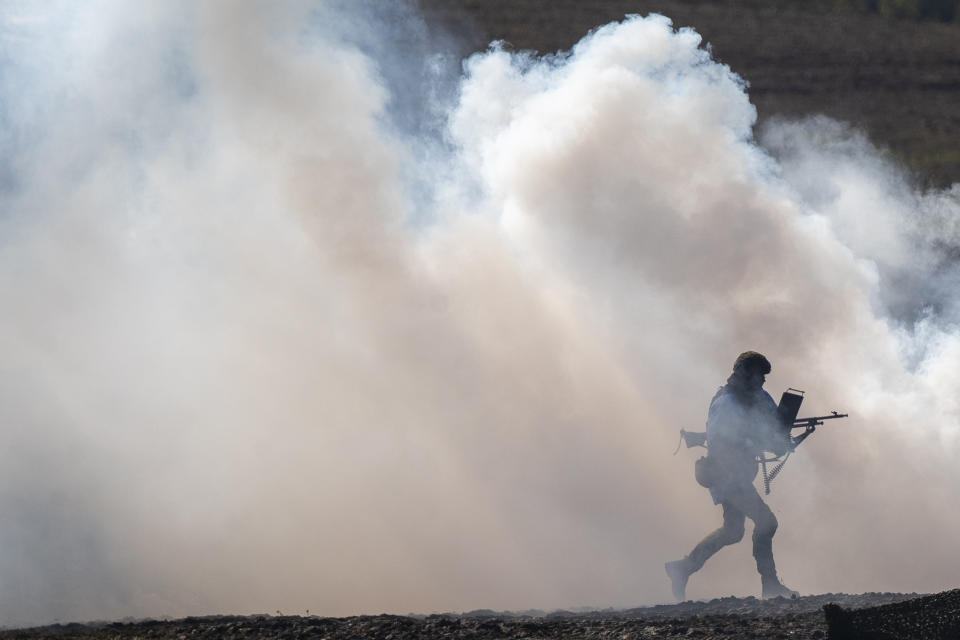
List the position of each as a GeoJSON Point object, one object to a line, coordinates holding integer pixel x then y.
{"type": "Point", "coordinates": [742, 424]}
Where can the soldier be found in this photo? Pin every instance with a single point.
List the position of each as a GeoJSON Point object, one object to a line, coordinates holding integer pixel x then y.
{"type": "Point", "coordinates": [742, 424]}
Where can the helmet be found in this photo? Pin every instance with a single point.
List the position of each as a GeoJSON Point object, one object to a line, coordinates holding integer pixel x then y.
{"type": "Point", "coordinates": [750, 362]}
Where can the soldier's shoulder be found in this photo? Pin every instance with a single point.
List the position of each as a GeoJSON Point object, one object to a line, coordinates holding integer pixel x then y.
{"type": "Point", "coordinates": [724, 402]}
{"type": "Point", "coordinates": [769, 398]}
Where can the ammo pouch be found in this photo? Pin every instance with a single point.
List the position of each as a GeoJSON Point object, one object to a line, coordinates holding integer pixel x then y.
{"type": "Point", "coordinates": [706, 472]}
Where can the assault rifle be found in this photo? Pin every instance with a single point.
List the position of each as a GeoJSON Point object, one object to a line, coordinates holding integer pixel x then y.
{"type": "Point", "coordinates": [787, 412]}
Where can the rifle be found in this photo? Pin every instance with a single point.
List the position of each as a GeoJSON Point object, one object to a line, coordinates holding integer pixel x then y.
{"type": "Point", "coordinates": [787, 410]}
{"type": "Point", "coordinates": [809, 425]}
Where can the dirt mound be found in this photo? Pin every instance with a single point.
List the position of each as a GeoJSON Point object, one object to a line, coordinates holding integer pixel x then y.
{"type": "Point", "coordinates": [935, 617]}
{"type": "Point", "coordinates": [775, 607]}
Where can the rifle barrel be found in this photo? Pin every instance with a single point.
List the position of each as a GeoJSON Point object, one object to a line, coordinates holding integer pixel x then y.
{"type": "Point", "coordinates": [816, 420]}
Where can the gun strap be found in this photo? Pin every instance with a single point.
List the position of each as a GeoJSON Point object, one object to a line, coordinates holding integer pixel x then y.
{"type": "Point", "coordinates": [679, 443]}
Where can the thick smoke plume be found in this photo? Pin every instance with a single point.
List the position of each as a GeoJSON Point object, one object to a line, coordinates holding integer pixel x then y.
{"type": "Point", "coordinates": [299, 316]}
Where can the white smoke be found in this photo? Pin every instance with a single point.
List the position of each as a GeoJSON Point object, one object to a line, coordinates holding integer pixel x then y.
{"type": "Point", "coordinates": [297, 319]}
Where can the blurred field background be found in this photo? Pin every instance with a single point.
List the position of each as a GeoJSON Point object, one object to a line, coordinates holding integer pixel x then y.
{"type": "Point", "coordinates": [889, 67]}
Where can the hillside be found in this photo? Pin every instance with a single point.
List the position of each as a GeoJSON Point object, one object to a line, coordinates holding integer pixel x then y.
{"type": "Point", "coordinates": [897, 79]}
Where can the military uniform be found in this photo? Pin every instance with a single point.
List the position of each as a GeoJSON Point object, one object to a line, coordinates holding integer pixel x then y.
{"type": "Point", "coordinates": [742, 423]}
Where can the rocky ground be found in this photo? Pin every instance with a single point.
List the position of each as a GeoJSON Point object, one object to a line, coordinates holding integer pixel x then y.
{"type": "Point", "coordinates": [870, 616]}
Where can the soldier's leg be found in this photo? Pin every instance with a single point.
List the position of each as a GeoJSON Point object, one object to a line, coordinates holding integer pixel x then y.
{"type": "Point", "coordinates": [731, 532]}
{"type": "Point", "coordinates": [749, 501]}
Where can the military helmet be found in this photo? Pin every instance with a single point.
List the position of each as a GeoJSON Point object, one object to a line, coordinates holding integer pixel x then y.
{"type": "Point", "coordinates": [752, 361]}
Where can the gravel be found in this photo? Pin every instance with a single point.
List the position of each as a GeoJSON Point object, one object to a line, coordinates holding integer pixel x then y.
{"type": "Point", "coordinates": [868, 616]}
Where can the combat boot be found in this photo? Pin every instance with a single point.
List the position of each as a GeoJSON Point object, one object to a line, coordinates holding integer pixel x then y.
{"type": "Point", "coordinates": [773, 588]}
{"type": "Point", "coordinates": [679, 572]}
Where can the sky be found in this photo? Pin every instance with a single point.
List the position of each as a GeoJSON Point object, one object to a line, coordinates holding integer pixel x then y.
{"type": "Point", "coordinates": [305, 310]}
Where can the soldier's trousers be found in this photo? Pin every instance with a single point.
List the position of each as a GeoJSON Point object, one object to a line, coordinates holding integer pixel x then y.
{"type": "Point", "coordinates": [739, 504]}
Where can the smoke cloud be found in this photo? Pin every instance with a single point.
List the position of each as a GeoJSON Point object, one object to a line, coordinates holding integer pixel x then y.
{"type": "Point", "coordinates": [300, 314]}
